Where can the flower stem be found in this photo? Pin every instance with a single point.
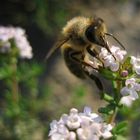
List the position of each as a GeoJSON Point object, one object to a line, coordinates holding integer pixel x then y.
{"type": "Point", "coordinates": [117, 86]}
{"type": "Point", "coordinates": [113, 116]}
{"type": "Point", "coordinates": [14, 81]}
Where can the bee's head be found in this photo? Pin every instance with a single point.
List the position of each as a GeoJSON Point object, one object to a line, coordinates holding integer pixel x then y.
{"type": "Point", "coordinates": [96, 32]}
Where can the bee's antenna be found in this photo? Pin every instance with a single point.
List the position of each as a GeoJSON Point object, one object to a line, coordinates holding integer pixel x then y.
{"type": "Point", "coordinates": [109, 34]}
{"type": "Point", "coordinates": [55, 47]}
{"type": "Point", "coordinates": [107, 46]}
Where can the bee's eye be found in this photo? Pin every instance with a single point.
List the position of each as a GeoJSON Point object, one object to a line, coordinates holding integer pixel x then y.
{"type": "Point", "coordinates": [90, 34]}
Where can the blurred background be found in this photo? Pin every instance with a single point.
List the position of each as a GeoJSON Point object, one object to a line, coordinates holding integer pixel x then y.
{"type": "Point", "coordinates": [56, 89]}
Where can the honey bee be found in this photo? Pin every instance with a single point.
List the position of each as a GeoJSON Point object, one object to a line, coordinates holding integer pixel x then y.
{"type": "Point", "coordinates": [80, 36]}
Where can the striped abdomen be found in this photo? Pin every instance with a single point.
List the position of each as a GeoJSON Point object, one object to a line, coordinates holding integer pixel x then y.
{"type": "Point", "coordinates": [72, 59]}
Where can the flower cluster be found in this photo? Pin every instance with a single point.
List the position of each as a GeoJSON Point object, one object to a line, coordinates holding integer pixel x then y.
{"type": "Point", "coordinates": [106, 59]}
{"type": "Point", "coordinates": [129, 92]}
{"type": "Point", "coordinates": [132, 87]}
{"type": "Point", "coordinates": [112, 60]}
{"type": "Point", "coordinates": [80, 126]}
{"type": "Point", "coordinates": [18, 34]}
{"type": "Point", "coordinates": [128, 69]}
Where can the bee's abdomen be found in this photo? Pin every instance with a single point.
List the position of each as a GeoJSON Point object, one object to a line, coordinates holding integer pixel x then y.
{"type": "Point", "coordinates": [73, 65]}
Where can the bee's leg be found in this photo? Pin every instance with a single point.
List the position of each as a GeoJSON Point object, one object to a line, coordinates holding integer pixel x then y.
{"type": "Point", "coordinates": [80, 61]}
{"type": "Point", "coordinates": [90, 75]}
{"type": "Point", "coordinates": [88, 65]}
{"type": "Point", "coordinates": [91, 52]}
{"type": "Point", "coordinates": [96, 79]}
{"type": "Point", "coordinates": [94, 53]}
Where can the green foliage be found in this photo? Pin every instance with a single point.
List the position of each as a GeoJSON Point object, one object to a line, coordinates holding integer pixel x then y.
{"type": "Point", "coordinates": [120, 128]}
{"type": "Point", "coordinates": [50, 15]}
{"type": "Point", "coordinates": [19, 115]}
{"type": "Point", "coordinates": [20, 105]}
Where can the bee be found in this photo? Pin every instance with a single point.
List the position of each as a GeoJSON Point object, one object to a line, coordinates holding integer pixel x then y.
{"type": "Point", "coordinates": [80, 36]}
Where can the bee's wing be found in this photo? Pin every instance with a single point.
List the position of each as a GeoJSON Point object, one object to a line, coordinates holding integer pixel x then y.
{"type": "Point", "coordinates": [59, 43]}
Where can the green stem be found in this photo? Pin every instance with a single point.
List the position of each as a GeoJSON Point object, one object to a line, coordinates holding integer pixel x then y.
{"type": "Point", "coordinates": [113, 116]}
{"type": "Point", "coordinates": [117, 85]}
{"type": "Point", "coordinates": [13, 63]}
{"type": "Point", "coordinates": [14, 81]}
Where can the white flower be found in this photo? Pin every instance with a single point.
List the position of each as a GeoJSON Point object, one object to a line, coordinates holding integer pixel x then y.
{"type": "Point", "coordinates": [58, 131]}
{"type": "Point", "coordinates": [94, 131]}
{"type": "Point", "coordinates": [94, 117]}
{"type": "Point", "coordinates": [136, 64]}
{"type": "Point", "coordinates": [58, 136]}
{"type": "Point", "coordinates": [86, 133]}
{"type": "Point", "coordinates": [103, 53]}
{"type": "Point", "coordinates": [108, 60]}
{"type": "Point", "coordinates": [73, 121]}
{"type": "Point", "coordinates": [106, 131]}
{"type": "Point", "coordinates": [130, 82]}
{"type": "Point", "coordinates": [112, 60]}
{"type": "Point", "coordinates": [72, 136]}
{"type": "Point", "coordinates": [118, 53]}
{"type": "Point", "coordinates": [127, 100]}
{"type": "Point", "coordinates": [18, 34]}
{"type": "Point", "coordinates": [129, 92]}
{"type": "Point", "coordinates": [80, 126]}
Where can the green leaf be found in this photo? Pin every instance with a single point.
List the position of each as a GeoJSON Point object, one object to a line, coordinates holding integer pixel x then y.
{"type": "Point", "coordinates": [108, 109]}
{"type": "Point", "coordinates": [120, 128]}
{"type": "Point", "coordinates": [108, 74]}
{"type": "Point", "coordinates": [107, 97]}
